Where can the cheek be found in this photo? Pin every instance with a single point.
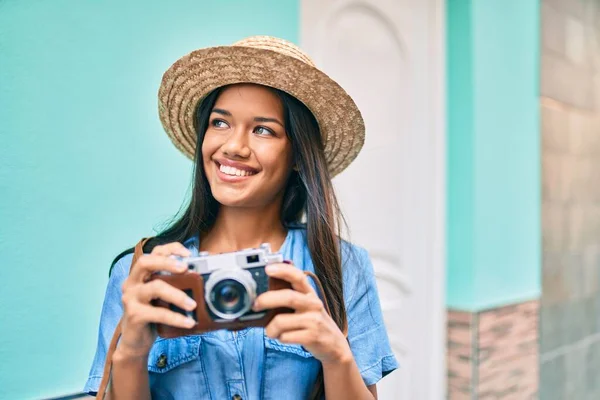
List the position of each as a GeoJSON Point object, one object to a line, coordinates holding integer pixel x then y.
{"type": "Point", "coordinates": [208, 149]}
{"type": "Point", "coordinates": [280, 165]}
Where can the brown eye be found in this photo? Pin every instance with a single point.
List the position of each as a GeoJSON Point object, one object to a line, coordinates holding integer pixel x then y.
{"type": "Point", "coordinates": [263, 131]}
{"type": "Point", "coordinates": [219, 123]}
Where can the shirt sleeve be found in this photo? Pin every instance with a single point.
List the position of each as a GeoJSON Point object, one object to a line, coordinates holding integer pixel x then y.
{"type": "Point", "coordinates": [367, 334]}
{"type": "Point", "coordinates": [112, 310]}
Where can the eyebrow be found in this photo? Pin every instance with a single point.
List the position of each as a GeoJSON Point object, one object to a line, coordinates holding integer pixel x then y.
{"type": "Point", "coordinates": [264, 119]}
{"type": "Point", "coordinates": [256, 119]}
{"type": "Point", "coordinates": [221, 111]}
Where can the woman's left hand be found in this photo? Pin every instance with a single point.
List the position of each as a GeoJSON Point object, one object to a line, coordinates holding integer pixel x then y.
{"type": "Point", "coordinates": [310, 326]}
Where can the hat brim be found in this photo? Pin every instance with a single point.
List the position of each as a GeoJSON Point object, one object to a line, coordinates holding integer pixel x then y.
{"type": "Point", "coordinates": [195, 75]}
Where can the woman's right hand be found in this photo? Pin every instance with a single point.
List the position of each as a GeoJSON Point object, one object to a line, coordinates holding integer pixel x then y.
{"type": "Point", "coordinates": [137, 334]}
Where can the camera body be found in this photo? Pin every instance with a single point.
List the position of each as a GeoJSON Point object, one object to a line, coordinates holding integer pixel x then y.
{"type": "Point", "coordinates": [224, 287]}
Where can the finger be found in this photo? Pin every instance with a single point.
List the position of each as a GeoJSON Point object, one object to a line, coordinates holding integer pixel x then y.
{"type": "Point", "coordinates": [160, 315]}
{"type": "Point", "coordinates": [158, 289]}
{"type": "Point", "coordinates": [304, 337]}
{"type": "Point", "coordinates": [288, 298]}
{"type": "Point", "coordinates": [292, 322]}
{"type": "Point", "coordinates": [293, 275]}
{"type": "Point", "coordinates": [149, 263]}
{"type": "Point", "coordinates": [169, 249]}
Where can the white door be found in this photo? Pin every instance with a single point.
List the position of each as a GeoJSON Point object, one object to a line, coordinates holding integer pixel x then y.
{"type": "Point", "coordinates": [388, 54]}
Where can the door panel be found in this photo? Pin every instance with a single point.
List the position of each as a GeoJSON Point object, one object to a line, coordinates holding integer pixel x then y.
{"type": "Point", "coordinates": [387, 55]}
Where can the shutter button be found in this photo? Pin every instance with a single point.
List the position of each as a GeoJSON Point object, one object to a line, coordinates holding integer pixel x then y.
{"type": "Point", "coordinates": [236, 397]}
{"type": "Point", "coordinates": [162, 361]}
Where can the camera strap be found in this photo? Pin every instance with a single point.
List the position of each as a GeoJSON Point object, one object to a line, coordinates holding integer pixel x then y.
{"type": "Point", "coordinates": [107, 373]}
{"type": "Point", "coordinates": [321, 295]}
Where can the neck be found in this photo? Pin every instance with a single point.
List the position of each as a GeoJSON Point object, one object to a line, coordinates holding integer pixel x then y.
{"type": "Point", "coordinates": [239, 228]}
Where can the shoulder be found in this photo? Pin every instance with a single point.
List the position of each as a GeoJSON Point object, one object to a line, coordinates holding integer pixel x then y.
{"type": "Point", "coordinates": [358, 278]}
{"type": "Point", "coordinates": [357, 269]}
{"type": "Point", "coordinates": [354, 257]}
{"type": "Point", "coordinates": [121, 266]}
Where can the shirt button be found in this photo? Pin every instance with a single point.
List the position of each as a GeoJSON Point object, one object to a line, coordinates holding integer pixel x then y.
{"type": "Point", "coordinates": [162, 361]}
{"type": "Point", "coordinates": [236, 397]}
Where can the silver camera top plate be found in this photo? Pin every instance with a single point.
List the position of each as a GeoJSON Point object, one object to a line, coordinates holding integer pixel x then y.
{"type": "Point", "coordinates": [248, 258]}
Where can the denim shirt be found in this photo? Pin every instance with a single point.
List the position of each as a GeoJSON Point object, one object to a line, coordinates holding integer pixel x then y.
{"type": "Point", "coordinates": [247, 363]}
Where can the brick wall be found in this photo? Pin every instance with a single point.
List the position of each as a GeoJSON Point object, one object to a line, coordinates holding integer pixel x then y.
{"type": "Point", "coordinates": [493, 354]}
{"type": "Point", "coordinates": [570, 112]}
{"type": "Point", "coordinates": [461, 338]}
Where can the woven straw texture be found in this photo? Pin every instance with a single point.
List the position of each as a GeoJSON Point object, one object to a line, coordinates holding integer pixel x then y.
{"type": "Point", "coordinates": [266, 61]}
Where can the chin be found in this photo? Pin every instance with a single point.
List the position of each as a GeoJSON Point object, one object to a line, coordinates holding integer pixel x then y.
{"type": "Point", "coordinates": [231, 202]}
{"type": "Point", "coordinates": [231, 198]}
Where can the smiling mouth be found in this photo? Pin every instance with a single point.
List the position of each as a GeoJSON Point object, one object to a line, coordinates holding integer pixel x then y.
{"type": "Point", "coordinates": [232, 171]}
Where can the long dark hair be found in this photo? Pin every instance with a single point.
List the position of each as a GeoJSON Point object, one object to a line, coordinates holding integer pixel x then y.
{"type": "Point", "coordinates": [309, 193]}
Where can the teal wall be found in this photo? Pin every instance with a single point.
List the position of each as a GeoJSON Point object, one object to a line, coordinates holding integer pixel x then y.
{"type": "Point", "coordinates": [85, 169]}
{"type": "Point", "coordinates": [494, 249]}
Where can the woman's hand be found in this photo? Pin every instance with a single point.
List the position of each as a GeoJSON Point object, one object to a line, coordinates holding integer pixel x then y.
{"type": "Point", "coordinates": [137, 334]}
{"type": "Point", "coordinates": [310, 326]}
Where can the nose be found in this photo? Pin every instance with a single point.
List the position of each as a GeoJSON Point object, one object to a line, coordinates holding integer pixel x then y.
{"type": "Point", "coordinates": [236, 144]}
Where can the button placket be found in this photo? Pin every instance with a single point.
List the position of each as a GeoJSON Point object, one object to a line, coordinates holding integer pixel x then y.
{"type": "Point", "coordinates": [237, 389]}
{"type": "Point", "coordinates": [162, 360]}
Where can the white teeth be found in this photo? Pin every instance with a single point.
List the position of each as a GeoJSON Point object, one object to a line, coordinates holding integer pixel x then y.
{"type": "Point", "coordinates": [233, 171]}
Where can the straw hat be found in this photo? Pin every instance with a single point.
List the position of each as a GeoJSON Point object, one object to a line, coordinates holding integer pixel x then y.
{"type": "Point", "coordinates": [266, 61]}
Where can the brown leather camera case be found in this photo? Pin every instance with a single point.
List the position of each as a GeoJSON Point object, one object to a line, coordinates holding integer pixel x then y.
{"type": "Point", "coordinates": [194, 281]}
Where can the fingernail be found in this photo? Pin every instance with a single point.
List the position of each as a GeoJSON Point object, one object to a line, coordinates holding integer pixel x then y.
{"type": "Point", "coordinates": [189, 322]}
{"type": "Point", "coordinates": [271, 268]}
{"type": "Point", "coordinates": [255, 307]}
{"type": "Point", "coordinates": [190, 303]}
{"type": "Point", "coordinates": [181, 266]}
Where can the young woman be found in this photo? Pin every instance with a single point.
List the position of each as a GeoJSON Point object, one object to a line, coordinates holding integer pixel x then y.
{"type": "Point", "coordinates": [267, 132]}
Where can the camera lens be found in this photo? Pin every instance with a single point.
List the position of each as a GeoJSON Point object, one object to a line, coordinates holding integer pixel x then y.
{"type": "Point", "coordinates": [229, 296]}
{"type": "Point", "coordinates": [229, 293]}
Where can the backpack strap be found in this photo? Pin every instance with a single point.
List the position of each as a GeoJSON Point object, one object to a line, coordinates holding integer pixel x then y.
{"type": "Point", "coordinates": [106, 374]}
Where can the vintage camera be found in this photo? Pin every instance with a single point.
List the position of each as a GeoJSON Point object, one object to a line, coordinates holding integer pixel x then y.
{"type": "Point", "coordinates": [224, 286]}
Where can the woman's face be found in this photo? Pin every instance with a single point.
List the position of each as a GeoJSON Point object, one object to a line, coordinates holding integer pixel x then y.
{"type": "Point", "coordinates": [246, 153]}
